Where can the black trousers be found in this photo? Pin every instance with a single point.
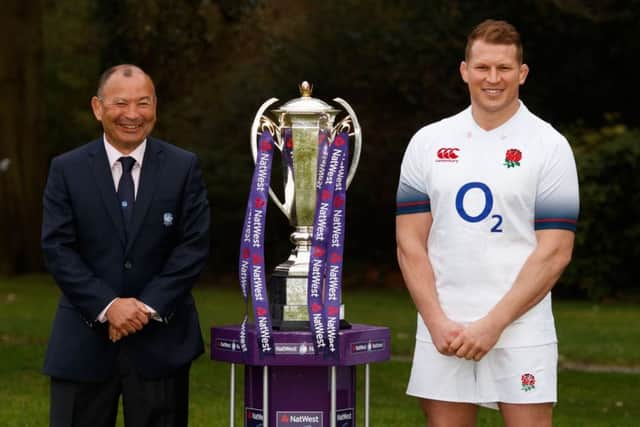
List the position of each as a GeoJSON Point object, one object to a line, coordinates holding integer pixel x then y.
{"type": "Point", "coordinates": [160, 402]}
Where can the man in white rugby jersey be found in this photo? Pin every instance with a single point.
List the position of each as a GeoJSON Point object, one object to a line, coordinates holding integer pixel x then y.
{"type": "Point", "coordinates": [486, 214]}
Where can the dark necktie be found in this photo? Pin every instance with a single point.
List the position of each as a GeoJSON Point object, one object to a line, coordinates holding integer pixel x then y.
{"type": "Point", "coordinates": [126, 191]}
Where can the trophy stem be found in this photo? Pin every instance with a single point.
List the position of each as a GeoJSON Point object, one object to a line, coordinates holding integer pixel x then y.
{"type": "Point", "coordinates": [298, 263]}
{"type": "Point", "coordinates": [288, 284]}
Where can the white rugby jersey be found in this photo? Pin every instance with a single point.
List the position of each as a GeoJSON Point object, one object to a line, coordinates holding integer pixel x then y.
{"type": "Point", "coordinates": [488, 192]}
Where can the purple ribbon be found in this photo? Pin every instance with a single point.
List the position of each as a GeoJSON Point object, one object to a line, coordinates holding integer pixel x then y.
{"type": "Point", "coordinates": [243, 272]}
{"type": "Point", "coordinates": [251, 266]}
{"type": "Point", "coordinates": [325, 275]}
{"type": "Point", "coordinates": [287, 150]}
{"type": "Point", "coordinates": [323, 152]}
{"type": "Point", "coordinates": [333, 290]}
{"type": "Point", "coordinates": [329, 167]}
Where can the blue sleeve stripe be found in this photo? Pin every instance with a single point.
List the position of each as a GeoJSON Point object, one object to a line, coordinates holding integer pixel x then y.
{"type": "Point", "coordinates": [403, 208]}
{"type": "Point", "coordinates": [555, 223]}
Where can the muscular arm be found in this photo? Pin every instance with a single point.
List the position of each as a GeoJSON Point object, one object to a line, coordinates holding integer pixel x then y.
{"type": "Point", "coordinates": [538, 275]}
{"type": "Point", "coordinates": [412, 232]}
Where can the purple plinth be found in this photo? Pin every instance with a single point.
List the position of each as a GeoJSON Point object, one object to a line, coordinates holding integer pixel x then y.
{"type": "Point", "coordinates": [358, 345]}
{"type": "Point", "coordinates": [300, 381]}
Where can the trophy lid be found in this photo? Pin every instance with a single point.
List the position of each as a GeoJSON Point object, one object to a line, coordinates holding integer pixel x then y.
{"type": "Point", "coordinates": [306, 104]}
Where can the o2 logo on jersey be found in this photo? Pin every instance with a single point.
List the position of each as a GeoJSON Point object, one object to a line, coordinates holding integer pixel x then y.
{"type": "Point", "coordinates": [486, 211]}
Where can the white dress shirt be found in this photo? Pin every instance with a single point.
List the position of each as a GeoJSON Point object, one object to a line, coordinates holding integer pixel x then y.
{"type": "Point", "coordinates": [116, 171]}
{"type": "Point", "coordinates": [116, 167]}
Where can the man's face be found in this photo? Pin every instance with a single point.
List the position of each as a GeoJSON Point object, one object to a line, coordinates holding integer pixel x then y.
{"type": "Point", "coordinates": [494, 76]}
{"type": "Point", "coordinates": [127, 109]}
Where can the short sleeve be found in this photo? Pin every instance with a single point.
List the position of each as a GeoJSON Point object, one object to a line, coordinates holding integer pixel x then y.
{"type": "Point", "coordinates": [557, 199]}
{"type": "Point", "coordinates": [412, 196]}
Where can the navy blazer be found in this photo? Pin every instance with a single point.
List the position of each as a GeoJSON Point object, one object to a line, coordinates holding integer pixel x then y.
{"type": "Point", "coordinates": [92, 261]}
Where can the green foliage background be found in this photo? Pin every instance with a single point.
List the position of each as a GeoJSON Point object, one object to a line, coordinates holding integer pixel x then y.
{"type": "Point", "coordinates": [605, 259]}
{"type": "Point", "coordinates": [396, 63]}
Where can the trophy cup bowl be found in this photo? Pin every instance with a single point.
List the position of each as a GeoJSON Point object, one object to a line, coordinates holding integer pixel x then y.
{"type": "Point", "coordinates": [305, 117]}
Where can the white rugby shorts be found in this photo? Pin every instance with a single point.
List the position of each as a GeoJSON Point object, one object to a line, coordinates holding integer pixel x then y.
{"type": "Point", "coordinates": [508, 375]}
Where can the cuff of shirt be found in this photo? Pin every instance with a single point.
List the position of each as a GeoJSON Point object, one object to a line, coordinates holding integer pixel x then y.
{"type": "Point", "coordinates": [102, 317]}
{"type": "Point", "coordinates": [153, 314]}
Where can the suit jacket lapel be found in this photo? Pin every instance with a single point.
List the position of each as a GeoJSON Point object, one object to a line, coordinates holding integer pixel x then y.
{"type": "Point", "coordinates": [99, 165]}
{"type": "Point", "coordinates": [151, 166]}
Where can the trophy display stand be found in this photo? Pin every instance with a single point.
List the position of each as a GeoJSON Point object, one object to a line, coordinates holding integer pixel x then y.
{"type": "Point", "coordinates": [297, 387]}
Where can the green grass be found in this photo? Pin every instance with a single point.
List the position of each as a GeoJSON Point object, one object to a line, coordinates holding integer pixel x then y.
{"type": "Point", "coordinates": [601, 334]}
{"type": "Point", "coordinates": [588, 333]}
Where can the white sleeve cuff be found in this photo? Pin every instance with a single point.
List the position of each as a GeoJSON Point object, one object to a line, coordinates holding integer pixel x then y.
{"type": "Point", "coordinates": [153, 314]}
{"type": "Point", "coordinates": [102, 317]}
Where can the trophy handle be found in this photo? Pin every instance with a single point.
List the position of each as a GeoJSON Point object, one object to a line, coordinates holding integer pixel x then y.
{"type": "Point", "coordinates": [257, 121]}
{"type": "Point", "coordinates": [357, 134]}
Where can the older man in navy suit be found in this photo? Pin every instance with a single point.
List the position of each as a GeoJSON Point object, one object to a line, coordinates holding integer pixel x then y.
{"type": "Point", "coordinates": [125, 235]}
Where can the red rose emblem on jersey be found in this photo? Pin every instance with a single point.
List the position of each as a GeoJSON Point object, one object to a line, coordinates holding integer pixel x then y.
{"type": "Point", "coordinates": [512, 158]}
{"type": "Point", "coordinates": [514, 155]}
{"type": "Point", "coordinates": [528, 382]}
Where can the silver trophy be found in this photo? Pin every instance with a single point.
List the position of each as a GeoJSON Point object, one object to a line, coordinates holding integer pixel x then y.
{"type": "Point", "coordinates": [305, 117]}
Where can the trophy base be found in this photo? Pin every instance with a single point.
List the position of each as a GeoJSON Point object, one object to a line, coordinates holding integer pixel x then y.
{"type": "Point", "coordinates": [288, 303]}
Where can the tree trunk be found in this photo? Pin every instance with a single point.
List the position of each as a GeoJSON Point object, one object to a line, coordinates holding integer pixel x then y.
{"type": "Point", "coordinates": [21, 123]}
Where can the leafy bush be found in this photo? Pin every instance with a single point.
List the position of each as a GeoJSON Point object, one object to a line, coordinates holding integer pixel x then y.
{"type": "Point", "coordinates": [605, 261]}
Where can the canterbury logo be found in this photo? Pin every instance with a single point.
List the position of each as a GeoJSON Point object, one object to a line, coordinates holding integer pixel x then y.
{"type": "Point", "coordinates": [448, 153]}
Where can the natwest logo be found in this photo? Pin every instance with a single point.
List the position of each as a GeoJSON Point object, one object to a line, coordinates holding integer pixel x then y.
{"type": "Point", "coordinates": [447, 154]}
{"type": "Point", "coordinates": [254, 418]}
{"type": "Point", "coordinates": [360, 347]}
{"type": "Point", "coordinates": [299, 419]}
{"type": "Point", "coordinates": [228, 345]}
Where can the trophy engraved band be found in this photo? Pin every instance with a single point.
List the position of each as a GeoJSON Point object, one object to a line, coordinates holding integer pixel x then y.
{"type": "Point", "coordinates": [297, 126]}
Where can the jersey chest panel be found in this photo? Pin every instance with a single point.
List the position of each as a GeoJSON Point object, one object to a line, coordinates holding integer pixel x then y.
{"type": "Point", "coordinates": [479, 190]}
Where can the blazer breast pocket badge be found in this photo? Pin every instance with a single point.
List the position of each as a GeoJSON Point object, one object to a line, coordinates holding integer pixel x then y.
{"type": "Point", "coordinates": [167, 219]}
